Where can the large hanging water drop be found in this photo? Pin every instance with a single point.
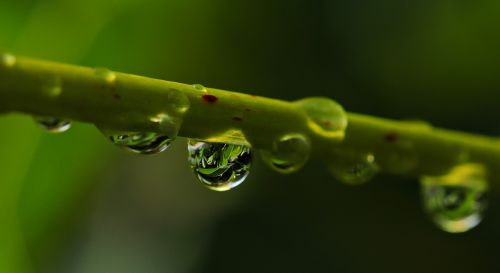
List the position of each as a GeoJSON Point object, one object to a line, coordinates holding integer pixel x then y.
{"type": "Point", "coordinates": [140, 142]}
{"type": "Point", "coordinates": [52, 124]}
{"type": "Point", "coordinates": [353, 168]}
{"type": "Point", "coordinates": [289, 153]}
{"type": "Point", "coordinates": [326, 117]}
{"type": "Point", "coordinates": [456, 201]}
{"type": "Point", "coordinates": [219, 166]}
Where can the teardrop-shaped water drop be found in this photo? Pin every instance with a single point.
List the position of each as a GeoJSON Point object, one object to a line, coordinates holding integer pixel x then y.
{"type": "Point", "coordinates": [326, 117]}
{"type": "Point", "coordinates": [140, 142]}
{"type": "Point", "coordinates": [219, 166]}
{"type": "Point", "coordinates": [289, 153]}
{"type": "Point", "coordinates": [353, 168]}
{"type": "Point", "coordinates": [53, 124]}
{"type": "Point", "coordinates": [456, 201]}
{"type": "Point", "coordinates": [178, 102]}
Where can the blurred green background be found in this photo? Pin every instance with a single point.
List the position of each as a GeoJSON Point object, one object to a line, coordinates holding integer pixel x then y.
{"type": "Point", "coordinates": [73, 203]}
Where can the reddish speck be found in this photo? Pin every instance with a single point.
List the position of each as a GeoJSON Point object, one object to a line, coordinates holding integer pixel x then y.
{"type": "Point", "coordinates": [253, 96]}
{"type": "Point", "coordinates": [327, 123]}
{"type": "Point", "coordinates": [209, 98]}
{"type": "Point", "coordinates": [391, 137]}
{"type": "Point", "coordinates": [237, 119]}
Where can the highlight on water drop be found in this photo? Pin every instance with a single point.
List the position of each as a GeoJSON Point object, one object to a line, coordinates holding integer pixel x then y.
{"type": "Point", "coordinates": [52, 124]}
{"type": "Point", "coordinates": [352, 167]}
{"type": "Point", "coordinates": [140, 142]}
{"type": "Point", "coordinates": [289, 153]}
{"type": "Point", "coordinates": [456, 201]}
{"type": "Point", "coordinates": [219, 166]}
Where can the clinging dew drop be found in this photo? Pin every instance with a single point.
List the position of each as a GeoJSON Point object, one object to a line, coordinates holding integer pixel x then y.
{"type": "Point", "coordinates": [140, 142]}
{"type": "Point", "coordinates": [105, 74]}
{"type": "Point", "coordinates": [456, 201]}
{"type": "Point", "coordinates": [219, 166]}
{"type": "Point", "coordinates": [52, 124]}
{"type": "Point", "coordinates": [326, 117]}
{"type": "Point", "coordinates": [199, 87]}
{"type": "Point", "coordinates": [288, 154]}
{"type": "Point", "coordinates": [52, 87]}
{"type": "Point", "coordinates": [353, 168]}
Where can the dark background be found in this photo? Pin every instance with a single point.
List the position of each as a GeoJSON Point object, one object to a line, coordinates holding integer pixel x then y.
{"type": "Point", "coordinates": [74, 203]}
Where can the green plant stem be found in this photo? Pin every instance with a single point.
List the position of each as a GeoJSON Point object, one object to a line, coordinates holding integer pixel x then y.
{"type": "Point", "coordinates": [130, 103]}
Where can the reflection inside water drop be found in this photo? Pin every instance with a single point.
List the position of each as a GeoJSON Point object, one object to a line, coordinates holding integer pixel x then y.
{"type": "Point", "coordinates": [456, 201]}
{"type": "Point", "coordinates": [52, 124]}
{"type": "Point", "coordinates": [140, 142]}
{"type": "Point", "coordinates": [289, 153]}
{"type": "Point", "coordinates": [219, 166]}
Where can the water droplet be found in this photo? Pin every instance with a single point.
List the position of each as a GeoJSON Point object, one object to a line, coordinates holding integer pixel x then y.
{"type": "Point", "coordinates": [200, 88]}
{"type": "Point", "coordinates": [140, 142]}
{"type": "Point", "coordinates": [326, 117]}
{"type": "Point", "coordinates": [178, 101]}
{"type": "Point", "coordinates": [52, 124]}
{"type": "Point", "coordinates": [219, 166]}
{"type": "Point", "coordinates": [456, 201]}
{"type": "Point", "coordinates": [289, 153]}
{"type": "Point", "coordinates": [166, 124]}
{"type": "Point", "coordinates": [52, 87]}
{"type": "Point", "coordinates": [353, 168]}
{"type": "Point", "coordinates": [107, 75]}
{"type": "Point", "coordinates": [8, 60]}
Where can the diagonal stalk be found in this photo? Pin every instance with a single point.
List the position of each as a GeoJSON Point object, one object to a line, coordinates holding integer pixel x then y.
{"type": "Point", "coordinates": [133, 103]}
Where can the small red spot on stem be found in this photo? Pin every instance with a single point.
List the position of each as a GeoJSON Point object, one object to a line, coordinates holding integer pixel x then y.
{"type": "Point", "coordinates": [237, 119]}
{"type": "Point", "coordinates": [327, 123]}
{"type": "Point", "coordinates": [209, 98]}
{"type": "Point", "coordinates": [391, 137]}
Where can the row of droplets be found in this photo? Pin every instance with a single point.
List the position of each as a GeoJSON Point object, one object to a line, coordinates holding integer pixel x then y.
{"type": "Point", "coordinates": [219, 166]}
{"type": "Point", "coordinates": [455, 201]}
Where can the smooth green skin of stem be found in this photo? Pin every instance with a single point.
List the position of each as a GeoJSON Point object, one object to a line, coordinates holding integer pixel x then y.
{"type": "Point", "coordinates": [130, 102]}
